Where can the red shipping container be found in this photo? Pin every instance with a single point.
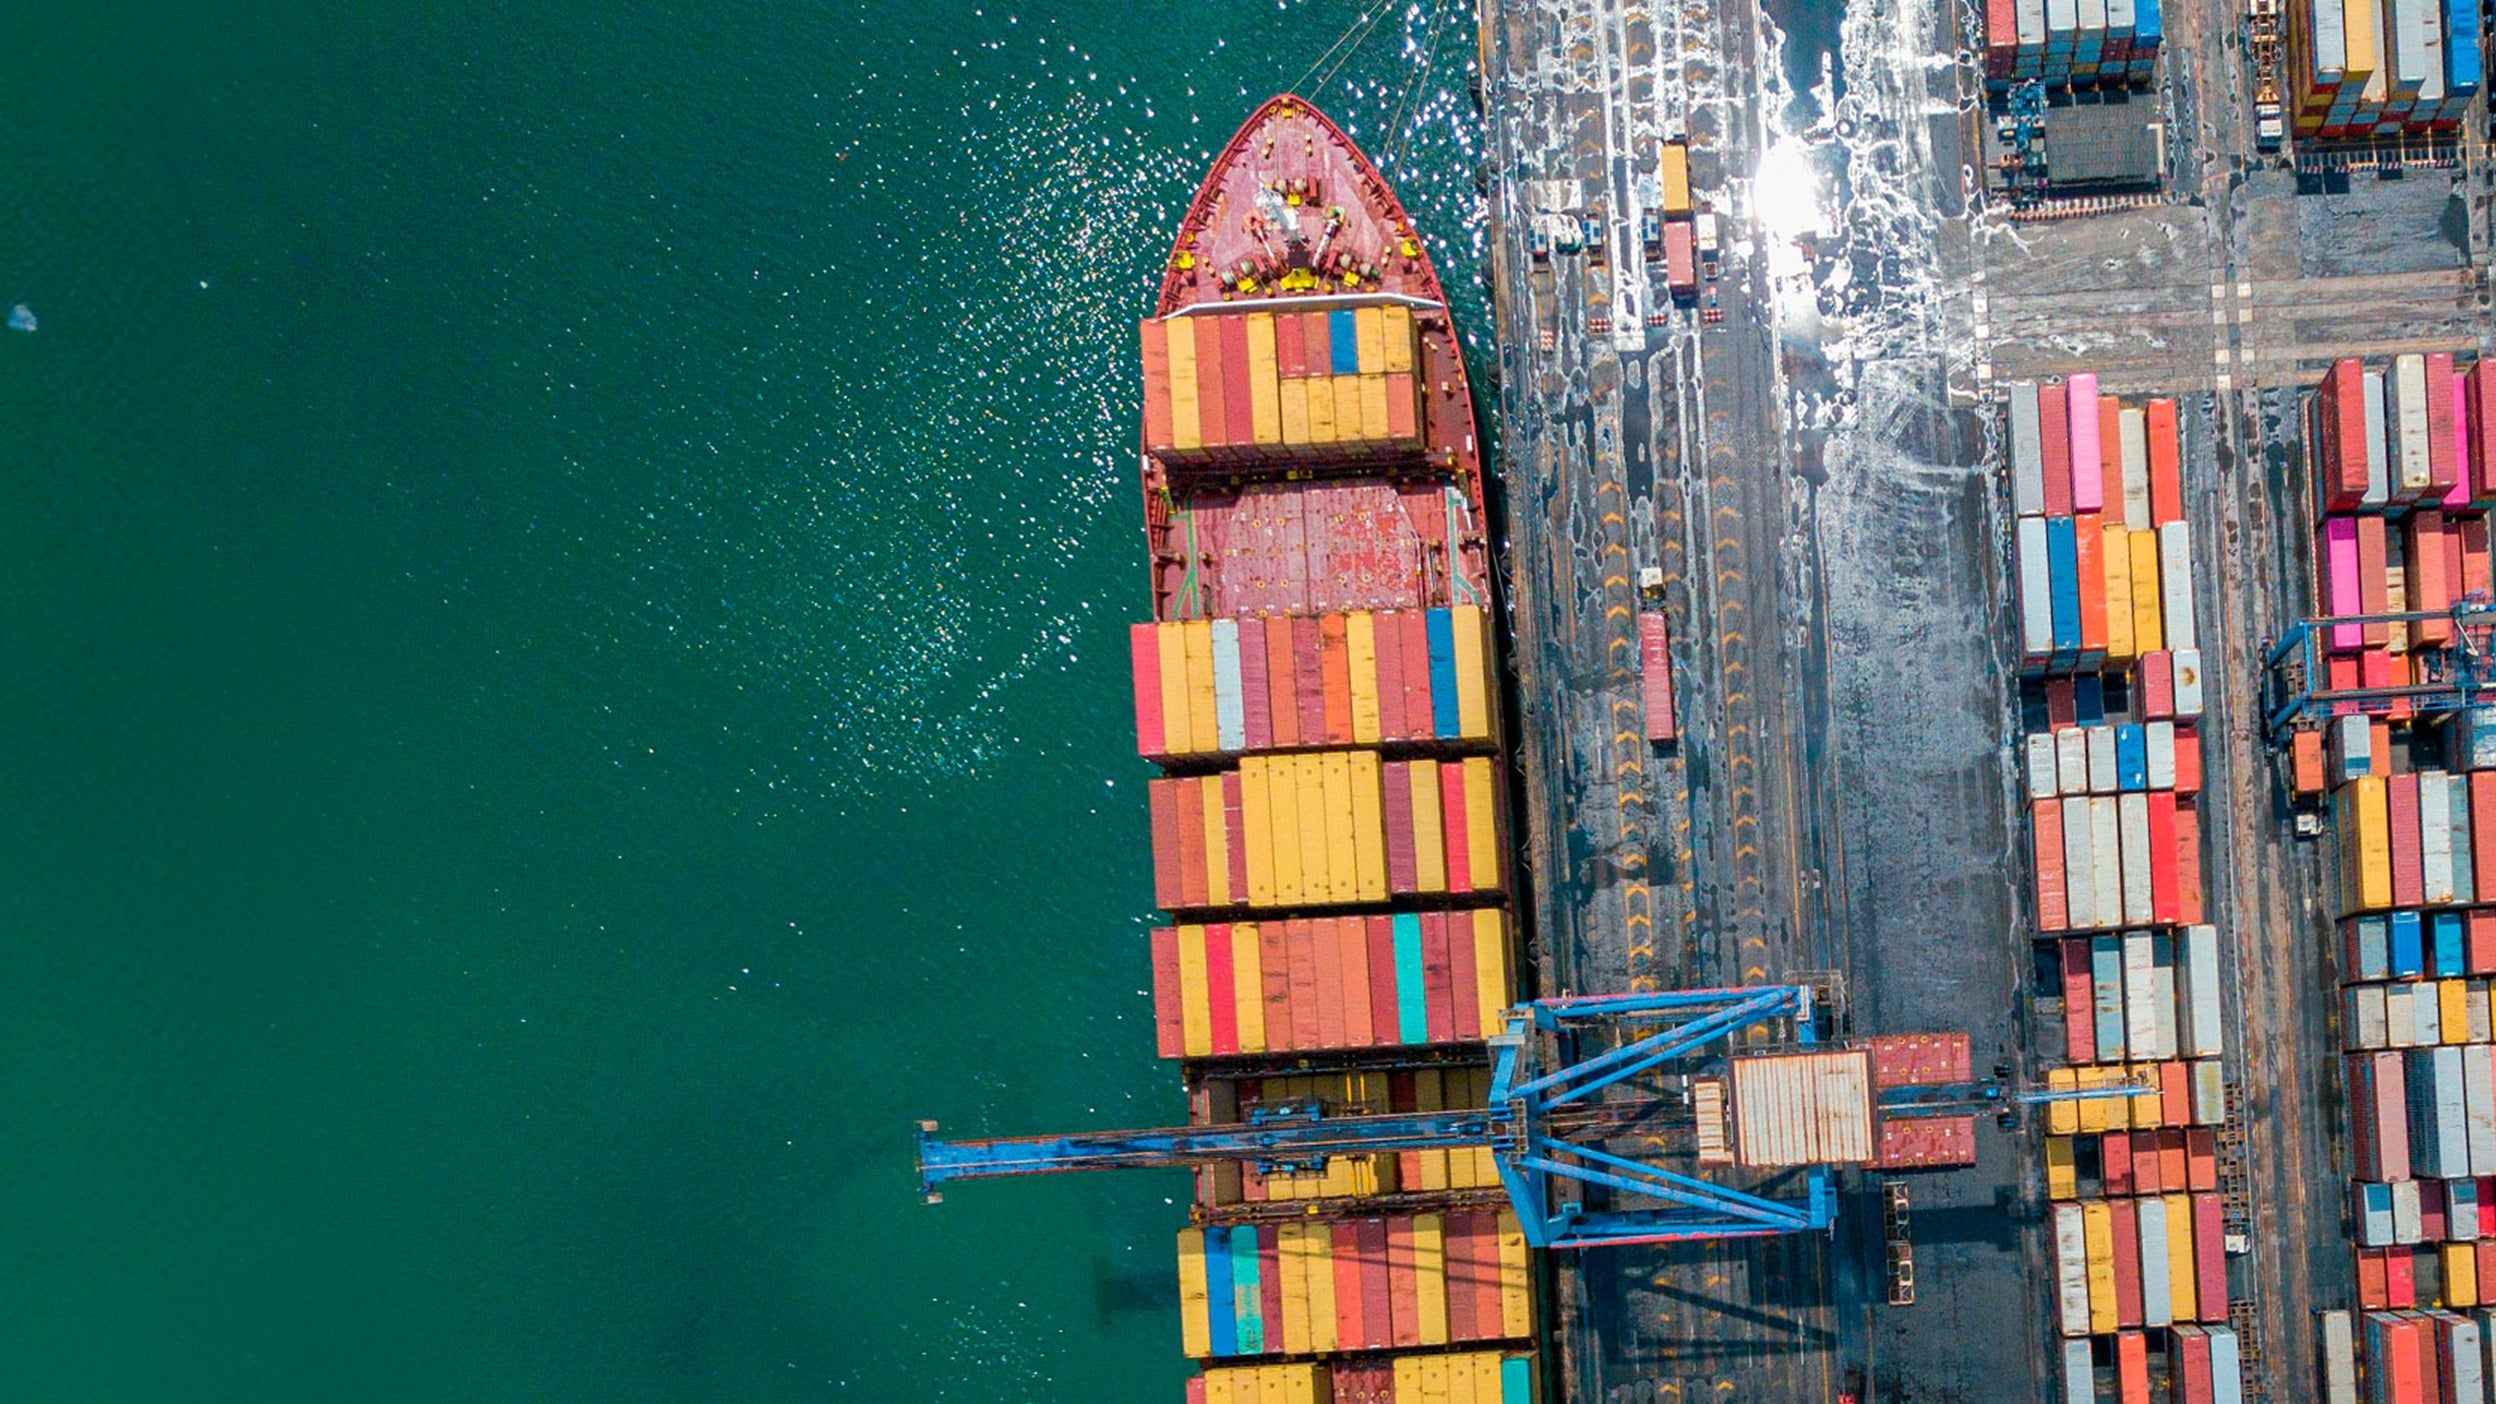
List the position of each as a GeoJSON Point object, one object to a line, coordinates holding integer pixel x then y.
{"type": "Point", "coordinates": [1334, 661]}
{"type": "Point", "coordinates": [2174, 1164]}
{"type": "Point", "coordinates": [2110, 453]}
{"type": "Point", "coordinates": [1377, 1291]}
{"type": "Point", "coordinates": [2485, 1252]}
{"type": "Point", "coordinates": [2379, 747]}
{"type": "Point", "coordinates": [1403, 865]}
{"type": "Point", "coordinates": [1212, 423]}
{"type": "Point", "coordinates": [1655, 674]}
{"type": "Point", "coordinates": [1344, 1257]}
{"type": "Point", "coordinates": [2053, 906]}
{"type": "Point", "coordinates": [2431, 1216]}
{"type": "Point", "coordinates": [1161, 798]}
{"type": "Point", "coordinates": [1144, 662]}
{"type": "Point", "coordinates": [2166, 465]}
{"type": "Point", "coordinates": [2474, 570]}
{"type": "Point", "coordinates": [2479, 395]}
{"type": "Point", "coordinates": [1333, 1029]}
{"type": "Point", "coordinates": [1360, 1020]}
{"type": "Point", "coordinates": [1458, 838]}
{"type": "Point", "coordinates": [2409, 874]}
{"type": "Point", "coordinates": [1417, 700]}
{"type": "Point", "coordinates": [2054, 417]}
{"type": "Point", "coordinates": [2372, 556]}
{"type": "Point", "coordinates": [2079, 1026]}
{"type": "Point", "coordinates": [2127, 1225]}
{"type": "Point", "coordinates": [2115, 1161]}
{"type": "Point", "coordinates": [2089, 531]}
{"type": "Point", "coordinates": [1318, 346]}
{"type": "Point", "coordinates": [2430, 1369]}
{"type": "Point", "coordinates": [2483, 831]}
{"type": "Point", "coordinates": [1463, 1323]}
{"type": "Point", "coordinates": [2305, 762]}
{"type": "Point", "coordinates": [1240, 422]}
{"type": "Point", "coordinates": [1464, 978]}
{"type": "Point", "coordinates": [2166, 907]}
{"type": "Point", "coordinates": [1274, 971]}
{"type": "Point", "coordinates": [1235, 838]}
{"type": "Point", "coordinates": [2187, 758]}
{"type": "Point", "coordinates": [1308, 680]}
{"type": "Point", "coordinates": [1188, 817]}
{"type": "Point", "coordinates": [2339, 454]}
{"type": "Point", "coordinates": [1270, 1282]}
{"type": "Point", "coordinates": [1290, 356]}
{"type": "Point", "coordinates": [1168, 1037]}
{"type": "Point", "coordinates": [2192, 1366]}
{"type": "Point", "coordinates": [1403, 1294]}
{"type": "Point", "coordinates": [1282, 697]}
{"type": "Point", "coordinates": [1383, 994]}
{"type": "Point", "coordinates": [2342, 669]}
{"type": "Point", "coordinates": [1307, 1014]}
{"type": "Point", "coordinates": [1403, 406]}
{"type": "Point", "coordinates": [2400, 1278]}
{"type": "Point", "coordinates": [2061, 709]}
{"type": "Point", "coordinates": [2175, 1093]}
{"type": "Point", "coordinates": [1388, 649]}
{"type": "Point", "coordinates": [2131, 1368]}
{"type": "Point", "coordinates": [2187, 864]}
{"type": "Point", "coordinates": [2479, 923]}
{"type": "Point", "coordinates": [1438, 1003]}
{"type": "Point", "coordinates": [1156, 343]}
{"type": "Point", "coordinates": [2427, 587]}
{"type": "Point", "coordinates": [2209, 1258]}
{"type": "Point", "coordinates": [1256, 710]}
{"type": "Point", "coordinates": [2373, 1291]}
{"type": "Point", "coordinates": [2157, 685]}
{"type": "Point", "coordinates": [1221, 990]}
{"type": "Point", "coordinates": [2442, 471]}
{"type": "Point", "coordinates": [2146, 1178]}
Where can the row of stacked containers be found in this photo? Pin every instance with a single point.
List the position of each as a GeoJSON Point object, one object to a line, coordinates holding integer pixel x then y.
{"type": "Point", "coordinates": [2368, 68]}
{"type": "Point", "coordinates": [2402, 478]}
{"type": "Point", "coordinates": [2111, 759]}
{"type": "Point", "coordinates": [1330, 839]}
{"type": "Point", "coordinates": [2072, 43]}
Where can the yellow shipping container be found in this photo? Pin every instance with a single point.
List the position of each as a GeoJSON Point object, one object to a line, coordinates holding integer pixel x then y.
{"type": "Point", "coordinates": [1195, 1300]}
{"type": "Point", "coordinates": [1316, 857]}
{"type": "Point", "coordinates": [2366, 842]}
{"type": "Point", "coordinates": [2062, 1118]}
{"type": "Point", "coordinates": [1321, 393]}
{"type": "Point", "coordinates": [1186, 412]}
{"type": "Point", "coordinates": [1516, 1310]}
{"type": "Point", "coordinates": [1195, 1029]}
{"type": "Point", "coordinates": [1221, 1385]}
{"type": "Point", "coordinates": [1348, 426]}
{"type": "Point", "coordinates": [1322, 1282]}
{"type": "Point", "coordinates": [1473, 674]}
{"type": "Point", "coordinates": [1291, 1253]}
{"type": "Point", "coordinates": [1673, 170]}
{"type": "Point", "coordinates": [1482, 826]}
{"type": "Point", "coordinates": [1434, 1367]}
{"type": "Point", "coordinates": [1293, 399]}
{"type": "Point", "coordinates": [2182, 1281]}
{"type": "Point", "coordinates": [2148, 625]}
{"type": "Point", "coordinates": [1373, 390]}
{"type": "Point", "coordinates": [2359, 24]}
{"type": "Point", "coordinates": [1490, 969]}
{"type": "Point", "coordinates": [2453, 1005]}
{"type": "Point", "coordinates": [2461, 1274]}
{"type": "Point", "coordinates": [1360, 637]}
{"type": "Point", "coordinates": [1407, 1377]}
{"type": "Point", "coordinates": [1430, 1273]}
{"type": "Point", "coordinates": [1343, 873]}
{"type": "Point", "coordinates": [1177, 732]}
{"type": "Point", "coordinates": [1203, 737]}
{"type": "Point", "coordinates": [1264, 405]}
{"type": "Point", "coordinates": [1273, 1385]}
{"type": "Point", "coordinates": [1398, 321]}
{"type": "Point", "coordinates": [2116, 556]}
{"type": "Point", "coordinates": [1369, 834]}
{"type": "Point", "coordinates": [2097, 1227]}
{"type": "Point", "coordinates": [1429, 850]}
{"type": "Point", "coordinates": [1369, 339]}
{"type": "Point", "coordinates": [1217, 844]}
{"type": "Point", "coordinates": [1256, 825]}
{"type": "Point", "coordinates": [1282, 797]}
{"type": "Point", "coordinates": [2062, 1173]}
{"type": "Point", "coordinates": [1248, 987]}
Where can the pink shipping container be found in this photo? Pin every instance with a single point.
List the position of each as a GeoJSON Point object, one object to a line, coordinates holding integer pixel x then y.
{"type": "Point", "coordinates": [1655, 674]}
{"type": "Point", "coordinates": [2209, 1257]}
{"type": "Point", "coordinates": [2157, 685]}
{"type": "Point", "coordinates": [2409, 875]}
{"type": "Point", "coordinates": [2088, 474]}
{"type": "Point", "coordinates": [1681, 270]}
{"type": "Point", "coordinates": [2337, 548]}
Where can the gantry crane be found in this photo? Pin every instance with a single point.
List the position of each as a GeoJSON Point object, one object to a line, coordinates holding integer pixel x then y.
{"type": "Point", "coordinates": [1570, 1075]}
{"type": "Point", "coordinates": [2296, 683]}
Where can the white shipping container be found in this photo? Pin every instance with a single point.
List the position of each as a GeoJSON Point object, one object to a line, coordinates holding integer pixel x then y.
{"type": "Point", "coordinates": [2370, 1214]}
{"type": "Point", "coordinates": [2457, 800]}
{"type": "Point", "coordinates": [2400, 1016]}
{"type": "Point", "coordinates": [2135, 470]}
{"type": "Point", "coordinates": [2378, 468]}
{"type": "Point", "coordinates": [2435, 839]}
{"type": "Point", "coordinates": [2162, 992]}
{"type": "Point", "coordinates": [1229, 717]}
{"type": "Point", "coordinates": [2409, 373]}
{"type": "Point", "coordinates": [2187, 682]}
{"type": "Point", "coordinates": [2158, 738]}
{"type": "Point", "coordinates": [2157, 1305]}
{"type": "Point", "coordinates": [2485, 1320]}
{"type": "Point", "coordinates": [2461, 1210]}
{"type": "Point", "coordinates": [2044, 779]}
{"type": "Point", "coordinates": [2201, 964]}
{"type": "Point", "coordinates": [2062, 21]}
{"type": "Point", "coordinates": [2209, 1092]}
{"type": "Point", "coordinates": [2071, 760]}
{"type": "Point", "coordinates": [2361, 1017]}
{"type": "Point", "coordinates": [2032, 25]}
{"type": "Point", "coordinates": [2408, 1227]}
{"type": "Point", "coordinates": [2027, 452]}
{"type": "Point", "coordinates": [2071, 1269]}
{"type": "Point", "coordinates": [2339, 1359]}
{"type": "Point", "coordinates": [2036, 591]}
{"type": "Point", "coordinates": [2106, 860]}
{"type": "Point", "coordinates": [2175, 583]}
{"type": "Point", "coordinates": [2350, 741]}
{"type": "Point", "coordinates": [2464, 1365]}
{"type": "Point", "coordinates": [2092, 29]}
{"type": "Point", "coordinates": [2132, 812]}
{"type": "Point", "coordinates": [2079, 865]}
{"type": "Point", "coordinates": [2101, 760]}
{"type": "Point", "coordinates": [2478, 1098]}
{"type": "Point", "coordinates": [2140, 997]}
{"type": "Point", "coordinates": [2477, 1029]}
{"type": "Point", "coordinates": [2446, 1114]}
{"type": "Point", "coordinates": [2079, 1374]}
{"type": "Point", "coordinates": [2227, 1367]}
{"type": "Point", "coordinates": [2426, 1015]}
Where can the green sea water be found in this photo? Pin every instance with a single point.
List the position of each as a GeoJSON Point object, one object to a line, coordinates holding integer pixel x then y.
{"type": "Point", "coordinates": [563, 572]}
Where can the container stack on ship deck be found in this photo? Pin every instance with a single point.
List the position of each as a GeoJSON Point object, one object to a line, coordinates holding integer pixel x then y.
{"type": "Point", "coordinates": [2403, 458]}
{"type": "Point", "coordinates": [2113, 708]}
{"type": "Point", "coordinates": [1318, 684]}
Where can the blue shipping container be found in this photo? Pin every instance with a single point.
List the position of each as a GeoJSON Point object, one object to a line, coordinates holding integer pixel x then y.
{"type": "Point", "coordinates": [2062, 566]}
{"type": "Point", "coordinates": [2449, 958]}
{"type": "Point", "coordinates": [1412, 1012]}
{"type": "Point", "coordinates": [1441, 628]}
{"type": "Point", "coordinates": [1221, 1307]}
{"type": "Point", "coordinates": [2408, 958]}
{"type": "Point", "coordinates": [2146, 25]}
{"type": "Point", "coordinates": [2131, 757]}
{"type": "Point", "coordinates": [2461, 48]}
{"type": "Point", "coordinates": [1345, 342]}
{"type": "Point", "coordinates": [2088, 699]}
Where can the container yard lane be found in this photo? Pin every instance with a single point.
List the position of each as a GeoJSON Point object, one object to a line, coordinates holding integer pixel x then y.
{"type": "Point", "coordinates": [1646, 469]}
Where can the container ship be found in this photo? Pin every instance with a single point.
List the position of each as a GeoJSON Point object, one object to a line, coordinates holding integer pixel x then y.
{"type": "Point", "coordinates": [1318, 684]}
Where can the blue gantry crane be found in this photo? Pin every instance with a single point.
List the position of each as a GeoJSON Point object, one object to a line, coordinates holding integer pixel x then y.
{"type": "Point", "coordinates": [1563, 1091]}
{"type": "Point", "coordinates": [2296, 682]}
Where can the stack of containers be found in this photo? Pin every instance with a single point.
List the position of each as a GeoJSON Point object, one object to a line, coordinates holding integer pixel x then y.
{"type": "Point", "coordinates": [1241, 388]}
{"type": "Point", "coordinates": [1322, 1287]}
{"type": "Point", "coordinates": [2415, 1357]}
{"type": "Point", "coordinates": [1483, 1377]}
{"type": "Point", "coordinates": [2071, 43]}
{"type": "Point", "coordinates": [2369, 68]}
{"type": "Point", "coordinates": [1232, 1101]}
